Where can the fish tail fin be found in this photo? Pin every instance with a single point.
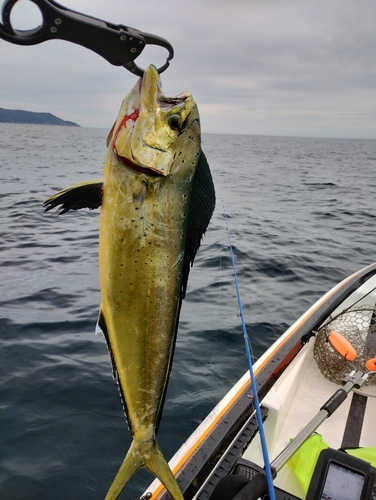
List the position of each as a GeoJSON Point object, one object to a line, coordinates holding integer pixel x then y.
{"type": "Point", "coordinates": [147, 455]}
{"type": "Point", "coordinates": [158, 466]}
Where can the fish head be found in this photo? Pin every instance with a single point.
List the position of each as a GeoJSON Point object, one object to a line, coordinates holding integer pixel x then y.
{"type": "Point", "coordinates": [146, 132]}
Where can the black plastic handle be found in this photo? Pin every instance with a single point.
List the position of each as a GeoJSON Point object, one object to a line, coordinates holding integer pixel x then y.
{"type": "Point", "coordinates": [120, 45]}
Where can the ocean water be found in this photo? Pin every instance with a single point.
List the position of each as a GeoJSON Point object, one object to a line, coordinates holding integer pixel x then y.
{"type": "Point", "coordinates": [302, 216]}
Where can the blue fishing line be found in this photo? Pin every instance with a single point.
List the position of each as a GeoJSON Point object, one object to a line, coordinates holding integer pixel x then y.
{"type": "Point", "coordinates": [268, 471]}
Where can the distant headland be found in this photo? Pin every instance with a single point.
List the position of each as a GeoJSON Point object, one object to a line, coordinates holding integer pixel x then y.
{"type": "Point", "coordinates": [19, 116]}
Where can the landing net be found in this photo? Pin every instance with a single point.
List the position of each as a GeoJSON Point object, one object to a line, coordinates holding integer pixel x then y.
{"type": "Point", "coordinates": [358, 326]}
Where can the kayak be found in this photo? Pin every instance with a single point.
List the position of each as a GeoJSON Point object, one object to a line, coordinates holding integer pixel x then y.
{"type": "Point", "coordinates": [317, 391]}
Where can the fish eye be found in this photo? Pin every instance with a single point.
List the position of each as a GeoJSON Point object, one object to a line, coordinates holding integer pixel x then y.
{"type": "Point", "coordinates": [174, 121]}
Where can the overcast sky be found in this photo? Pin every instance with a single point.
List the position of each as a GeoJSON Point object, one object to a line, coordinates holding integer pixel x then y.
{"type": "Point", "coordinates": [270, 67]}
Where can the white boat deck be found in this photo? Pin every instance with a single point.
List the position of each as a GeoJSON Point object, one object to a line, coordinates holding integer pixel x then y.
{"type": "Point", "coordinates": [293, 401]}
{"type": "Point", "coordinates": [297, 396]}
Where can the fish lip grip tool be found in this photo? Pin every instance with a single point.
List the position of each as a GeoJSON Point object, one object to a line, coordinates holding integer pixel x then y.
{"type": "Point", "coordinates": [120, 45]}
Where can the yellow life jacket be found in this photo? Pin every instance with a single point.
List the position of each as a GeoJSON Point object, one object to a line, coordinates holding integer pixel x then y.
{"type": "Point", "coordinates": [303, 462]}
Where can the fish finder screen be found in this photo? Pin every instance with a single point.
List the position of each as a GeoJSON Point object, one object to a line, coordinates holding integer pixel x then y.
{"type": "Point", "coordinates": [342, 484]}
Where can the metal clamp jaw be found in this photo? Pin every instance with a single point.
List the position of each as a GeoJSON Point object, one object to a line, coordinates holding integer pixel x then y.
{"type": "Point", "coordinates": [120, 45]}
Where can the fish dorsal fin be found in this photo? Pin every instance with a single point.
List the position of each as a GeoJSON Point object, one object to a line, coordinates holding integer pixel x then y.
{"type": "Point", "coordinates": [202, 204]}
{"type": "Point", "coordinates": [83, 195]}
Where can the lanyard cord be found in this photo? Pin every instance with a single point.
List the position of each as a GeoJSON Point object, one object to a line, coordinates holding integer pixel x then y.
{"type": "Point", "coordinates": [268, 471]}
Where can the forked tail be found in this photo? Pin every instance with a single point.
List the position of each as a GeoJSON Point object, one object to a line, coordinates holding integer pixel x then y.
{"type": "Point", "coordinates": [148, 455]}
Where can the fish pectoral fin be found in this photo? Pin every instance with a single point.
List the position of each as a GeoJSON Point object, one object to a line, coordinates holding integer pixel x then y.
{"type": "Point", "coordinates": [144, 454]}
{"type": "Point", "coordinates": [83, 195]}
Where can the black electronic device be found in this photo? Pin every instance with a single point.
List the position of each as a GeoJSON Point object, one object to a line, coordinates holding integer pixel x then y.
{"type": "Point", "coordinates": [340, 476]}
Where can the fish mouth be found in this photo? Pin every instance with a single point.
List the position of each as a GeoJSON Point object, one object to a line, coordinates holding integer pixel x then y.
{"type": "Point", "coordinates": [151, 93]}
{"type": "Point", "coordinates": [145, 131]}
{"type": "Point", "coordinates": [167, 103]}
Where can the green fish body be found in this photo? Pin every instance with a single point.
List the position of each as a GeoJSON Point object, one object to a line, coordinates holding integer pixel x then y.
{"type": "Point", "coordinates": [156, 198]}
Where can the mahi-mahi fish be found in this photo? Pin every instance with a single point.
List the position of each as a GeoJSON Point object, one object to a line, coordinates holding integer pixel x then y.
{"type": "Point", "coordinates": [157, 198]}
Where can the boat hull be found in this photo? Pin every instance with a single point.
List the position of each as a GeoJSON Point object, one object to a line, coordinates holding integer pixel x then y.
{"type": "Point", "coordinates": [214, 447]}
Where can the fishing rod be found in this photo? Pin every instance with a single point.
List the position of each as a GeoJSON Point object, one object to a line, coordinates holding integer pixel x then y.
{"type": "Point", "coordinates": [268, 469]}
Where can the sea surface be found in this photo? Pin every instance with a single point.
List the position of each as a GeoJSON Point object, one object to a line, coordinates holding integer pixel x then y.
{"type": "Point", "coordinates": [302, 216]}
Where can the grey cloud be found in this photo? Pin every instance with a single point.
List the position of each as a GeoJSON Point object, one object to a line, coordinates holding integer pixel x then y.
{"type": "Point", "coordinates": [254, 66]}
